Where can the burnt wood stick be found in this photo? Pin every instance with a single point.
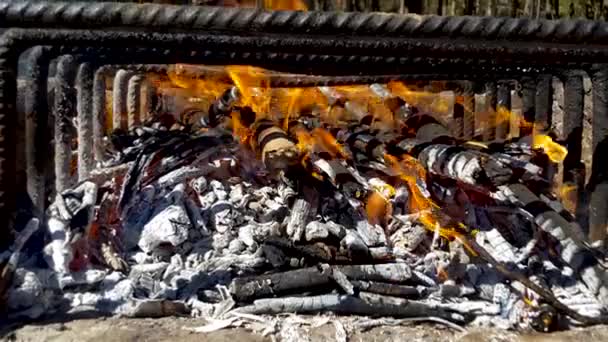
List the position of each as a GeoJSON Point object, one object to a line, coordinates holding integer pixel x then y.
{"type": "Point", "coordinates": [392, 273]}
{"type": "Point", "coordinates": [301, 212]}
{"type": "Point", "coordinates": [312, 277]}
{"type": "Point", "coordinates": [387, 288]}
{"type": "Point", "coordinates": [221, 107]}
{"type": "Point", "coordinates": [573, 251]}
{"type": "Point", "coordinates": [367, 304]}
{"type": "Point", "coordinates": [269, 285]}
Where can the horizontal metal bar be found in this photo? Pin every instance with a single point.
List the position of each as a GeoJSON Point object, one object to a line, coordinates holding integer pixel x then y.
{"type": "Point", "coordinates": [162, 17]}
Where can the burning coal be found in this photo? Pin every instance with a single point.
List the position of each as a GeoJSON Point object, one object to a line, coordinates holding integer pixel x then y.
{"type": "Point", "coordinates": [241, 198]}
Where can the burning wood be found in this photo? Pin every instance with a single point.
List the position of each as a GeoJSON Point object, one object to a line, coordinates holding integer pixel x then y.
{"type": "Point", "coordinates": [345, 199]}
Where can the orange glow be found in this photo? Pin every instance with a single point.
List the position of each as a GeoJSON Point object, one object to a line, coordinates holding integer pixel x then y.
{"type": "Point", "coordinates": [377, 208]}
{"type": "Point", "coordinates": [328, 143]}
{"type": "Point", "coordinates": [295, 5]}
{"type": "Point", "coordinates": [430, 215]}
{"type": "Point", "coordinates": [556, 152]}
{"type": "Point", "coordinates": [425, 101]}
{"type": "Point", "coordinates": [209, 86]}
{"type": "Point", "coordinates": [293, 96]}
{"type": "Point", "coordinates": [305, 140]}
{"type": "Point", "coordinates": [239, 129]}
{"type": "Point", "coordinates": [254, 88]}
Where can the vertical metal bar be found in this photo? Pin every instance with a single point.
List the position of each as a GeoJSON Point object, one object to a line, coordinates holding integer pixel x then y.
{"type": "Point", "coordinates": [148, 92]}
{"type": "Point", "coordinates": [503, 110]}
{"type": "Point", "coordinates": [468, 104]}
{"type": "Point", "coordinates": [99, 112]}
{"type": "Point", "coordinates": [8, 187]}
{"type": "Point", "coordinates": [528, 95]}
{"type": "Point", "coordinates": [543, 104]}
{"type": "Point", "coordinates": [489, 127]}
{"type": "Point", "coordinates": [36, 109]}
{"type": "Point", "coordinates": [574, 169]}
{"type": "Point", "coordinates": [64, 111]}
{"type": "Point", "coordinates": [598, 182]}
{"type": "Point", "coordinates": [458, 115]}
{"type": "Point", "coordinates": [84, 88]}
{"type": "Point", "coordinates": [133, 100]}
{"type": "Point", "coordinates": [119, 99]}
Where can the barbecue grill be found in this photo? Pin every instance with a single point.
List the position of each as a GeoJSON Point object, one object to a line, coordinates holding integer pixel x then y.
{"type": "Point", "coordinates": [73, 50]}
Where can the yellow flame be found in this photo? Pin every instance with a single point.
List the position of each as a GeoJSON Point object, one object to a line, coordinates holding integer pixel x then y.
{"type": "Point", "coordinates": [328, 143]}
{"type": "Point", "coordinates": [253, 86]}
{"type": "Point", "coordinates": [556, 152]}
{"type": "Point", "coordinates": [426, 208]}
{"type": "Point", "coordinates": [293, 101]}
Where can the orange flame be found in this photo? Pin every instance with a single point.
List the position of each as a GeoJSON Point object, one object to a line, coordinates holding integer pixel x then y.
{"type": "Point", "coordinates": [377, 207]}
{"type": "Point", "coordinates": [294, 5]}
{"type": "Point", "coordinates": [328, 143]}
{"type": "Point", "coordinates": [427, 209]}
{"type": "Point", "coordinates": [254, 87]}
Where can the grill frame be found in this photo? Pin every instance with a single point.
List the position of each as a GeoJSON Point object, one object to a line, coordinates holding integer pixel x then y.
{"type": "Point", "coordinates": [485, 49]}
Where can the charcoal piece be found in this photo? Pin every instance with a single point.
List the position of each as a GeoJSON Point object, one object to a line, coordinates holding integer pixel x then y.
{"type": "Point", "coordinates": [272, 284]}
{"type": "Point", "coordinates": [354, 245]}
{"type": "Point", "coordinates": [387, 288]}
{"type": "Point", "coordinates": [153, 308]}
{"type": "Point", "coordinates": [222, 216]}
{"type": "Point", "coordinates": [393, 273]}
{"type": "Point", "coordinates": [316, 230]}
{"type": "Point", "coordinates": [169, 226]}
{"type": "Point", "coordinates": [300, 214]}
{"type": "Point", "coordinates": [573, 251]}
{"type": "Point", "coordinates": [367, 304]}
{"type": "Point", "coordinates": [275, 256]}
{"type": "Point", "coordinates": [8, 269]}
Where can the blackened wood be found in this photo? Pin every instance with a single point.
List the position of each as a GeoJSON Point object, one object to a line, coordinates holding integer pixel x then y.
{"type": "Point", "coordinates": [573, 251]}
{"type": "Point", "coordinates": [367, 304]}
{"type": "Point", "coordinates": [84, 85]}
{"type": "Point", "coordinates": [304, 279]}
{"type": "Point", "coordinates": [458, 120]}
{"type": "Point", "coordinates": [387, 288]}
{"type": "Point", "coordinates": [503, 110]}
{"type": "Point", "coordinates": [394, 273]}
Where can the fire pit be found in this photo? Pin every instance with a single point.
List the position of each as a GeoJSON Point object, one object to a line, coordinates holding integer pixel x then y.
{"type": "Point", "coordinates": [233, 163]}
